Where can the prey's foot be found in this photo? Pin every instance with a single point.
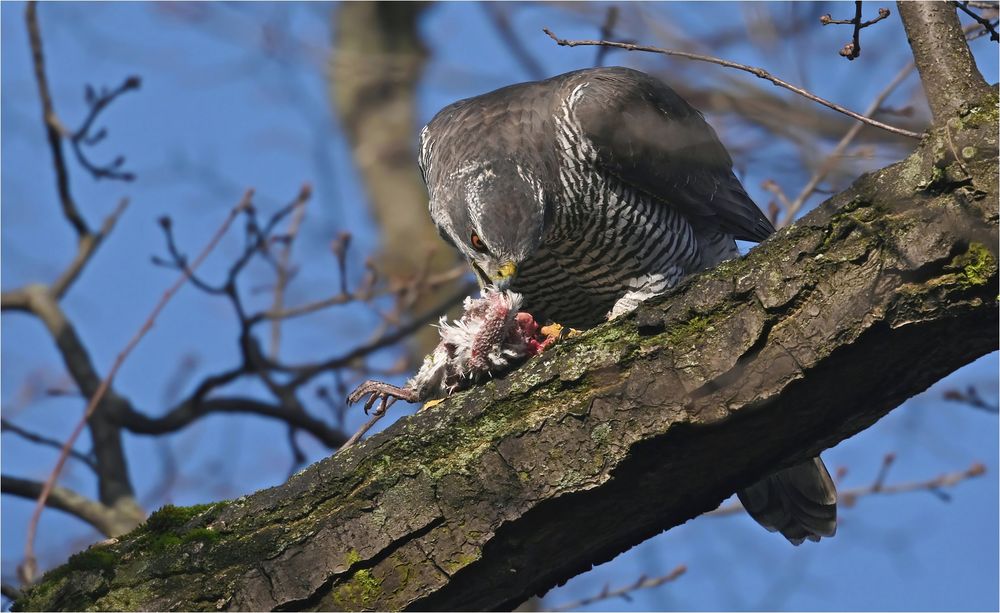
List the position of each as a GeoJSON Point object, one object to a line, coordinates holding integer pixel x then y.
{"type": "Point", "coordinates": [376, 391]}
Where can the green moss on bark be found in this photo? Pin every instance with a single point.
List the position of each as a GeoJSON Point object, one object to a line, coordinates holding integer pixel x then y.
{"type": "Point", "coordinates": [975, 266]}
{"type": "Point", "coordinates": [360, 591]}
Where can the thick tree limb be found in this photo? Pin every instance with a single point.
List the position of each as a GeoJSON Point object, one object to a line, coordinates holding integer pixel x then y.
{"type": "Point", "coordinates": [612, 437]}
{"type": "Point", "coordinates": [114, 484]}
{"type": "Point", "coordinates": [110, 521]}
{"type": "Point", "coordinates": [947, 68]}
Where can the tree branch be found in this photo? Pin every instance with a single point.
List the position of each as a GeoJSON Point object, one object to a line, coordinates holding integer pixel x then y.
{"type": "Point", "coordinates": [758, 72]}
{"type": "Point", "coordinates": [8, 426]}
{"type": "Point", "coordinates": [96, 399]}
{"type": "Point", "coordinates": [194, 408]}
{"type": "Point", "coordinates": [54, 129]}
{"type": "Point", "coordinates": [947, 68]}
{"type": "Point", "coordinates": [989, 28]}
{"type": "Point", "coordinates": [848, 498]}
{"type": "Point", "coordinates": [503, 491]}
{"type": "Point", "coordinates": [107, 520]}
{"type": "Point", "coordinates": [86, 248]}
{"type": "Point", "coordinates": [112, 469]}
{"type": "Point", "coordinates": [642, 583]}
{"type": "Point", "coordinates": [793, 207]}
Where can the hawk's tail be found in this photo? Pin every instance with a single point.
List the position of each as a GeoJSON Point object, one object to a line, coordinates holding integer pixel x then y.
{"type": "Point", "coordinates": [799, 501]}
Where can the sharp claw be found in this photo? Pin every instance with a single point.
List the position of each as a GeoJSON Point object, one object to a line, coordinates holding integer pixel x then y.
{"type": "Point", "coordinates": [371, 401]}
{"type": "Point", "coordinates": [376, 391]}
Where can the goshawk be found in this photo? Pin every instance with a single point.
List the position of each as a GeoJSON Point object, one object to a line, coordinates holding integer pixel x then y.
{"type": "Point", "coordinates": [590, 192]}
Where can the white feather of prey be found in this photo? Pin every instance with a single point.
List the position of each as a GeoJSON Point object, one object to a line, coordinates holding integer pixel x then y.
{"type": "Point", "coordinates": [483, 342]}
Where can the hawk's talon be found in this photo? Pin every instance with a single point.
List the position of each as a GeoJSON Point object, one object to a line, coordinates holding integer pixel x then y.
{"type": "Point", "coordinates": [376, 390]}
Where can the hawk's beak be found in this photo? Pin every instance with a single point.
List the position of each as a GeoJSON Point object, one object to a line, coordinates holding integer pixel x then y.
{"type": "Point", "coordinates": [505, 275]}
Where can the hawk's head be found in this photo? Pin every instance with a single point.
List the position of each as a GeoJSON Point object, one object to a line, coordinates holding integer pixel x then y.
{"type": "Point", "coordinates": [494, 213]}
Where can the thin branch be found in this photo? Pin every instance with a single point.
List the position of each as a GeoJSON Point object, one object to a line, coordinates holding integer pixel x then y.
{"type": "Point", "coordinates": [990, 28]}
{"type": "Point", "coordinates": [431, 282]}
{"type": "Point", "coordinates": [53, 127]}
{"type": "Point", "coordinates": [82, 136]}
{"type": "Point", "coordinates": [307, 372]}
{"type": "Point", "coordinates": [106, 519]}
{"type": "Point", "coordinates": [642, 583]}
{"type": "Point", "coordinates": [883, 472]}
{"type": "Point", "coordinates": [759, 72]}
{"type": "Point", "coordinates": [86, 249]}
{"type": "Point", "coordinates": [831, 160]}
{"type": "Point", "coordinates": [971, 398]}
{"type": "Point", "coordinates": [852, 49]}
{"type": "Point", "coordinates": [194, 408]}
{"type": "Point", "coordinates": [284, 273]}
{"type": "Point", "coordinates": [87, 245]}
{"type": "Point", "coordinates": [8, 426]}
{"type": "Point", "coordinates": [30, 564]}
{"type": "Point", "coordinates": [607, 31]}
{"type": "Point", "coordinates": [501, 23]}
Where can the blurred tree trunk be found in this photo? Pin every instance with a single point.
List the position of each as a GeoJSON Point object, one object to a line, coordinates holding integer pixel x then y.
{"type": "Point", "coordinates": [376, 64]}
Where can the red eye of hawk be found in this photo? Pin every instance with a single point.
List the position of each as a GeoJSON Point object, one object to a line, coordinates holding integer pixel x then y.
{"type": "Point", "coordinates": [477, 243]}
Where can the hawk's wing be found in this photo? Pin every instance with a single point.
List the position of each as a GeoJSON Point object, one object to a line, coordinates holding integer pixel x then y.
{"type": "Point", "coordinates": [650, 138]}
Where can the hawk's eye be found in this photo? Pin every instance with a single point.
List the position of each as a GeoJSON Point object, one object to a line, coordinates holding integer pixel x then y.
{"type": "Point", "coordinates": [477, 243]}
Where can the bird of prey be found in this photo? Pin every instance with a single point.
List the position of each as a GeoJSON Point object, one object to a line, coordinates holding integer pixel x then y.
{"type": "Point", "coordinates": [590, 192]}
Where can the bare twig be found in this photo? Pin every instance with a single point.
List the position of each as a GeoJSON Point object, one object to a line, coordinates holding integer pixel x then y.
{"type": "Point", "coordinates": [988, 27]}
{"type": "Point", "coordinates": [887, 461]}
{"type": "Point", "coordinates": [82, 136]}
{"type": "Point", "coordinates": [307, 372]}
{"type": "Point", "coordinates": [970, 397]}
{"type": "Point", "coordinates": [831, 160]}
{"type": "Point", "coordinates": [497, 12]}
{"type": "Point", "coordinates": [363, 294]}
{"type": "Point", "coordinates": [759, 72]}
{"type": "Point", "coordinates": [196, 407]}
{"type": "Point", "coordinates": [284, 273]}
{"type": "Point", "coordinates": [642, 583]}
{"type": "Point", "coordinates": [29, 566]}
{"type": "Point", "coordinates": [853, 49]}
{"type": "Point", "coordinates": [607, 31]}
{"type": "Point", "coordinates": [7, 426]}
{"type": "Point", "coordinates": [87, 245]}
{"type": "Point", "coordinates": [54, 129]}
{"type": "Point", "coordinates": [86, 248]}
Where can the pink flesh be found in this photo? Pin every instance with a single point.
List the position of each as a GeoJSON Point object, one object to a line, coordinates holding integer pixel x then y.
{"type": "Point", "coordinates": [491, 335]}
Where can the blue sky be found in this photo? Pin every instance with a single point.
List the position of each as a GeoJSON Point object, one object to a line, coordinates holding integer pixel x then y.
{"type": "Point", "coordinates": [214, 117]}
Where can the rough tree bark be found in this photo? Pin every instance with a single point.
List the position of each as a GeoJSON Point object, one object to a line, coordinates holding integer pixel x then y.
{"type": "Point", "coordinates": [637, 426]}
